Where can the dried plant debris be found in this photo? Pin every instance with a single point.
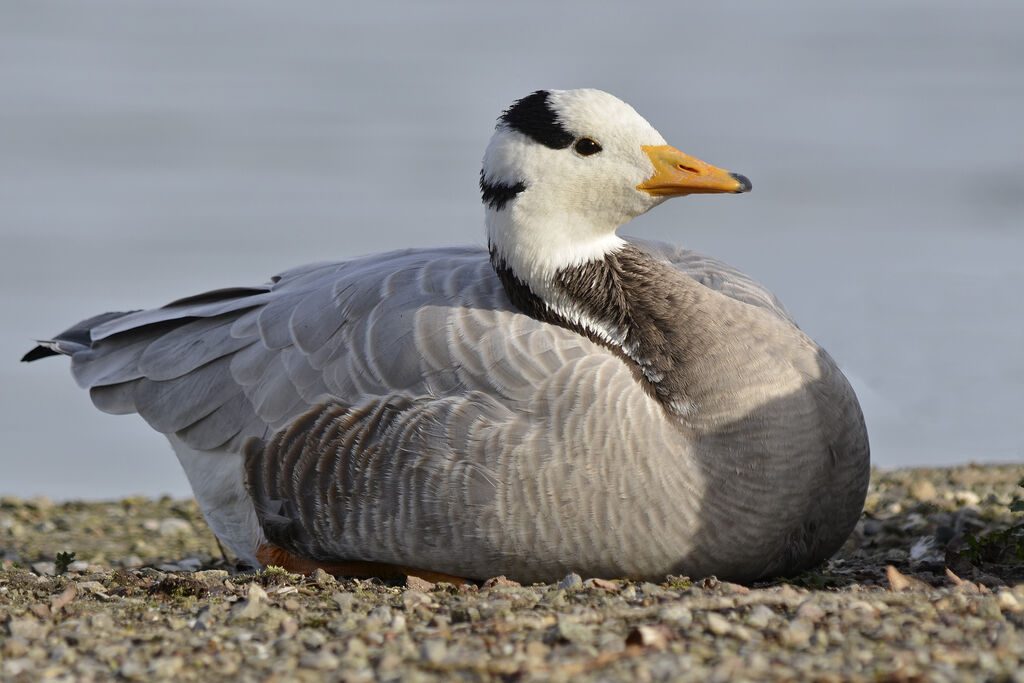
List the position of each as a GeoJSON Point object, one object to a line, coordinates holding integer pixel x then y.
{"type": "Point", "coordinates": [929, 587]}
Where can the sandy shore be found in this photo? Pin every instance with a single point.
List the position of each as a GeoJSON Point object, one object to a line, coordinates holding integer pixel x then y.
{"type": "Point", "coordinates": [929, 587]}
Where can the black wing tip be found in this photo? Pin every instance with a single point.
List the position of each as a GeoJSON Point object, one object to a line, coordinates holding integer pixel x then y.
{"type": "Point", "coordinates": [37, 353]}
{"type": "Point", "coordinates": [71, 340]}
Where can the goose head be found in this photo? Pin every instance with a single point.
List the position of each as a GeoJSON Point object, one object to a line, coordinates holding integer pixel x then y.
{"type": "Point", "coordinates": [566, 168]}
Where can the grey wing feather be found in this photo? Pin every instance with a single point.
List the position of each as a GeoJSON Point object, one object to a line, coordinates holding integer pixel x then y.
{"type": "Point", "coordinates": [111, 363]}
{"type": "Point", "coordinates": [189, 347]}
{"type": "Point", "coordinates": [219, 428]}
{"type": "Point", "coordinates": [116, 399]}
{"type": "Point", "coordinates": [274, 396]}
{"type": "Point", "coordinates": [172, 405]}
{"type": "Point", "coordinates": [219, 367]}
{"type": "Point", "coordinates": [204, 309]}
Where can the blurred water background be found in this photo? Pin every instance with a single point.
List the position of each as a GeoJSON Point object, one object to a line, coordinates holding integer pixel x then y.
{"type": "Point", "coordinates": [150, 150]}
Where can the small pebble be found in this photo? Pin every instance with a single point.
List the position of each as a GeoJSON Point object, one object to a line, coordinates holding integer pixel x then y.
{"type": "Point", "coordinates": [434, 650]}
{"type": "Point", "coordinates": [797, 634]}
{"type": "Point", "coordinates": [718, 624]}
{"type": "Point", "coordinates": [872, 527]}
{"type": "Point", "coordinates": [131, 561]}
{"type": "Point", "coordinates": [190, 564]}
{"type": "Point", "coordinates": [501, 581]}
{"type": "Point", "coordinates": [344, 601]}
{"type": "Point", "coordinates": [418, 584]}
{"type": "Point", "coordinates": [652, 635]}
{"type": "Point", "coordinates": [40, 503]}
{"type": "Point", "coordinates": [253, 606]}
{"type": "Point", "coordinates": [603, 584]}
{"type": "Point", "coordinates": [381, 613]}
{"type": "Point", "coordinates": [760, 617]}
{"type": "Point", "coordinates": [321, 660]}
{"type": "Point", "coordinates": [966, 498]}
{"type": "Point", "coordinates": [676, 615]}
{"type": "Point", "coordinates": [101, 622]}
{"type": "Point", "coordinates": [60, 601]}
{"type": "Point", "coordinates": [322, 578]}
{"type": "Point", "coordinates": [411, 599]}
{"type": "Point", "coordinates": [1008, 602]}
{"type": "Point", "coordinates": [810, 611]}
{"type": "Point", "coordinates": [570, 583]}
{"type": "Point", "coordinates": [13, 647]}
{"type": "Point", "coordinates": [173, 526]}
{"type": "Point", "coordinates": [923, 490]}
{"type": "Point", "coordinates": [26, 628]}
{"type": "Point", "coordinates": [166, 667]}
{"type": "Point", "coordinates": [575, 633]}
{"type": "Point", "coordinates": [45, 568]}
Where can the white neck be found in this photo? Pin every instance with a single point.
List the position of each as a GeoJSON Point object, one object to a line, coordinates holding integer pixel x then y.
{"type": "Point", "coordinates": [537, 255]}
{"type": "Point", "coordinates": [552, 243]}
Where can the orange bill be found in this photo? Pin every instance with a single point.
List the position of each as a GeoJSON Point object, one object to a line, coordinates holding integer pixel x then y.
{"type": "Point", "coordinates": [677, 174]}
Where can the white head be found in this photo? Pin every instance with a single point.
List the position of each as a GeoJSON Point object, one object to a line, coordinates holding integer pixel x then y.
{"type": "Point", "coordinates": [566, 168]}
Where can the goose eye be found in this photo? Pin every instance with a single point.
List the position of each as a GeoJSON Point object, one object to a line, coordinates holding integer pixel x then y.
{"type": "Point", "coordinates": [586, 146]}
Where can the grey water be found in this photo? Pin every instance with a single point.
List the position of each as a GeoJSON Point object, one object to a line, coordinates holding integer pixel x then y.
{"type": "Point", "coordinates": [151, 150]}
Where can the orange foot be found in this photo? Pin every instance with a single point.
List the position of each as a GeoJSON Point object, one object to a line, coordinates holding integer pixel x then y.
{"type": "Point", "coordinates": [271, 555]}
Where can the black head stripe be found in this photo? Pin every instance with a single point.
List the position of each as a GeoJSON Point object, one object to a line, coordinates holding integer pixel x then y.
{"type": "Point", "coordinates": [497, 195]}
{"type": "Point", "coordinates": [533, 117]}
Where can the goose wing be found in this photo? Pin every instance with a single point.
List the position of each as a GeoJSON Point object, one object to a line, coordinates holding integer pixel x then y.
{"type": "Point", "coordinates": [217, 368]}
{"type": "Point", "coordinates": [222, 366]}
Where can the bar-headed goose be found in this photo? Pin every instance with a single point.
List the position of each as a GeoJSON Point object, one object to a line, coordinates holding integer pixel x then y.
{"type": "Point", "coordinates": [569, 401]}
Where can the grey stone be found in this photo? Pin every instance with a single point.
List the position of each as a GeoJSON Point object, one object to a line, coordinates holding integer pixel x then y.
{"type": "Point", "coordinates": [173, 526]}
{"type": "Point", "coordinates": [572, 582]}
{"type": "Point", "coordinates": [718, 624]}
{"type": "Point", "coordinates": [433, 650]}
{"type": "Point", "coordinates": [677, 615]}
{"type": "Point", "coordinates": [27, 628]}
{"type": "Point", "coordinates": [575, 633]}
{"type": "Point", "coordinates": [760, 617]}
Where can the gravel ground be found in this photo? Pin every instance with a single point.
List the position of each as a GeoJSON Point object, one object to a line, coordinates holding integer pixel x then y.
{"type": "Point", "coordinates": [929, 587]}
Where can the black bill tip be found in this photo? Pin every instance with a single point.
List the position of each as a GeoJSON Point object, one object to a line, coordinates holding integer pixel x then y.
{"type": "Point", "coordinates": [743, 180]}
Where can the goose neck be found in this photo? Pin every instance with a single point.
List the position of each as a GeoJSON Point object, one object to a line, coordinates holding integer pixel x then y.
{"type": "Point", "coordinates": [630, 302]}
